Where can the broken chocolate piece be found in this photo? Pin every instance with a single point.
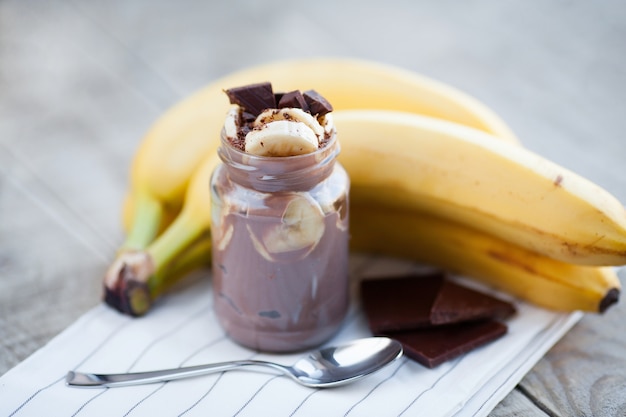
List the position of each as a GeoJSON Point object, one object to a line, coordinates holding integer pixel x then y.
{"type": "Point", "coordinates": [399, 303]}
{"type": "Point", "coordinates": [293, 99]}
{"type": "Point", "coordinates": [318, 105]}
{"type": "Point", "coordinates": [254, 98]}
{"type": "Point", "coordinates": [456, 303]}
{"type": "Point", "coordinates": [425, 300]}
{"type": "Point", "coordinates": [433, 346]}
{"type": "Point", "coordinates": [278, 96]}
{"type": "Point", "coordinates": [434, 318]}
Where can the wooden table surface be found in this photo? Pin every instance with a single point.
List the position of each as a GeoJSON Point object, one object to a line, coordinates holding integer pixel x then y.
{"type": "Point", "coordinates": [81, 81]}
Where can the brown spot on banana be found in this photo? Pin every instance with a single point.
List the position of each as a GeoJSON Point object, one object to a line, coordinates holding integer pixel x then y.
{"type": "Point", "coordinates": [558, 180]}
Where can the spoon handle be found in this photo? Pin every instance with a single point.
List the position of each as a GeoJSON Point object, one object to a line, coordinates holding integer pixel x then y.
{"type": "Point", "coordinates": [88, 380]}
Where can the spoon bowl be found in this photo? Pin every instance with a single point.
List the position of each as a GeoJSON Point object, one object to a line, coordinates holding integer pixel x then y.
{"type": "Point", "coordinates": [327, 367]}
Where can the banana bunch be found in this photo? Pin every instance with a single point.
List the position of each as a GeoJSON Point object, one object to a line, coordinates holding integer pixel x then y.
{"type": "Point", "coordinates": [436, 177]}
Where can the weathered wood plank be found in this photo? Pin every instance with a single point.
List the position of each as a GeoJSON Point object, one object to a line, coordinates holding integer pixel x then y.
{"type": "Point", "coordinates": [584, 374]}
{"type": "Point", "coordinates": [517, 404]}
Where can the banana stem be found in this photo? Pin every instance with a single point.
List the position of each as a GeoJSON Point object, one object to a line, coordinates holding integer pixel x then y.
{"type": "Point", "coordinates": [195, 257]}
{"type": "Point", "coordinates": [175, 240]}
{"type": "Point", "coordinates": [147, 217]}
{"type": "Point", "coordinates": [137, 277]}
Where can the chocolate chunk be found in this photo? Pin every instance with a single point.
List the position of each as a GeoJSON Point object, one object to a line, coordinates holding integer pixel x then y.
{"type": "Point", "coordinates": [293, 99]}
{"type": "Point", "coordinates": [433, 346]}
{"type": "Point", "coordinates": [456, 303]}
{"type": "Point", "coordinates": [434, 318]}
{"type": "Point", "coordinates": [318, 105]}
{"type": "Point", "coordinates": [399, 303]}
{"type": "Point", "coordinates": [278, 96]}
{"type": "Point", "coordinates": [247, 117]}
{"type": "Point", "coordinates": [254, 98]}
{"type": "Point", "coordinates": [425, 300]}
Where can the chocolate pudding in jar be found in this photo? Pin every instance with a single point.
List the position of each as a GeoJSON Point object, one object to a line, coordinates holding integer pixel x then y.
{"type": "Point", "coordinates": [279, 221]}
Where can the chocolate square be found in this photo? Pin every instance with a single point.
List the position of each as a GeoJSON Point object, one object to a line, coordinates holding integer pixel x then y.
{"type": "Point", "coordinates": [293, 99]}
{"type": "Point", "coordinates": [456, 303]}
{"type": "Point", "coordinates": [434, 318]}
{"type": "Point", "coordinates": [435, 345]}
{"type": "Point", "coordinates": [399, 303]}
{"type": "Point", "coordinates": [318, 105]}
{"type": "Point", "coordinates": [393, 304]}
{"type": "Point", "coordinates": [254, 98]}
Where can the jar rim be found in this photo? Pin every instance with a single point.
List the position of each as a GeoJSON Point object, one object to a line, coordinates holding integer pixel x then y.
{"type": "Point", "coordinates": [272, 173]}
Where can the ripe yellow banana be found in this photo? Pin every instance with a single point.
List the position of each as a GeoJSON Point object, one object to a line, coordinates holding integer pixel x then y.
{"type": "Point", "coordinates": [175, 145]}
{"type": "Point", "coordinates": [412, 162]}
{"type": "Point", "coordinates": [503, 265]}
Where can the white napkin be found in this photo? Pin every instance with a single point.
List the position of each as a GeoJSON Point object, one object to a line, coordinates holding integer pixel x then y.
{"type": "Point", "coordinates": [181, 330]}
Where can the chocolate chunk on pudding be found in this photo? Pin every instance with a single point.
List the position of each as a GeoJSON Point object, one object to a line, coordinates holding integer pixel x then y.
{"type": "Point", "coordinates": [253, 98]}
{"type": "Point", "coordinates": [293, 99]}
{"type": "Point", "coordinates": [318, 105]}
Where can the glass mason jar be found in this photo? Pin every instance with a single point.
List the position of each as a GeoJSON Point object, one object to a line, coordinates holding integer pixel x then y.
{"type": "Point", "coordinates": [280, 247]}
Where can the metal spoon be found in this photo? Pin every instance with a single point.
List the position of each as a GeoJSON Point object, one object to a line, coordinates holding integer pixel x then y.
{"type": "Point", "coordinates": [328, 367]}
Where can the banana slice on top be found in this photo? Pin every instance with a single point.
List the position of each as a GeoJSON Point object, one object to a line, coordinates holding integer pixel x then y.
{"type": "Point", "coordinates": [281, 138]}
{"type": "Point", "coordinates": [230, 123]}
{"type": "Point", "coordinates": [291, 114]}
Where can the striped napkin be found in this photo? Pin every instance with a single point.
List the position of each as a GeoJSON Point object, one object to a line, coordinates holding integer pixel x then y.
{"type": "Point", "coordinates": [182, 330]}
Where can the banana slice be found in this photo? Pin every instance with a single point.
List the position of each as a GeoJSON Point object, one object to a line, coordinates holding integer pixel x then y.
{"type": "Point", "coordinates": [231, 121]}
{"type": "Point", "coordinates": [292, 115]}
{"type": "Point", "coordinates": [281, 138]}
{"type": "Point", "coordinates": [302, 227]}
{"type": "Point", "coordinates": [225, 238]}
{"type": "Point", "coordinates": [258, 245]}
{"type": "Point", "coordinates": [327, 123]}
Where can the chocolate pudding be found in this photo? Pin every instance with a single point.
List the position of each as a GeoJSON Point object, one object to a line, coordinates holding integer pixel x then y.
{"type": "Point", "coordinates": [279, 222]}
